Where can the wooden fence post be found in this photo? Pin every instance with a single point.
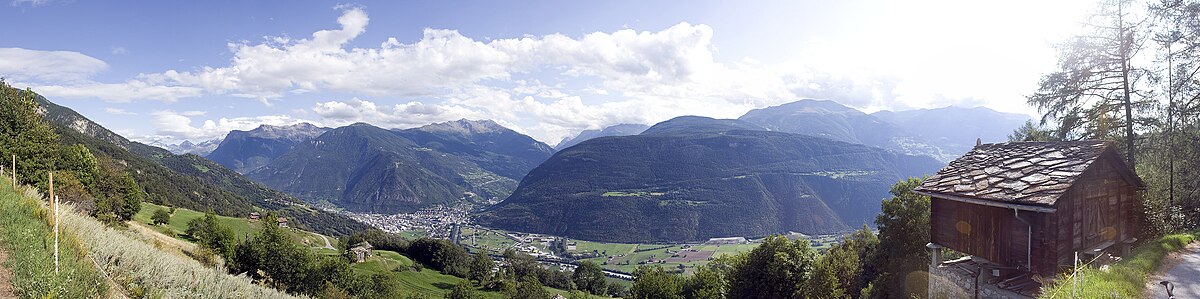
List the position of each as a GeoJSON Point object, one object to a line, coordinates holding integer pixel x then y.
{"type": "Point", "coordinates": [55, 199]}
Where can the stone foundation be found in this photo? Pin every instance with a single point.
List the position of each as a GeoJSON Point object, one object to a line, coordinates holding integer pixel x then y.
{"type": "Point", "coordinates": [957, 279]}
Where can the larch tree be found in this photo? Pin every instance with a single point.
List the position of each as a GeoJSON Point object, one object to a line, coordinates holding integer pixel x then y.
{"type": "Point", "coordinates": [1094, 92]}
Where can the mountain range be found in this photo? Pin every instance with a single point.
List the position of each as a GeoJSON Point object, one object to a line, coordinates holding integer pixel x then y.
{"type": "Point", "coordinates": [245, 151]}
{"type": "Point", "coordinates": [614, 130]}
{"type": "Point", "coordinates": [955, 129]}
{"type": "Point", "coordinates": [365, 168]}
{"type": "Point", "coordinates": [810, 166]}
{"type": "Point", "coordinates": [693, 178]}
{"type": "Point", "coordinates": [188, 180]}
{"type": "Point", "coordinates": [187, 147]}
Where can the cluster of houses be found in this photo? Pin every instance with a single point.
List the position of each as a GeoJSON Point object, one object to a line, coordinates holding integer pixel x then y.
{"type": "Point", "coordinates": [438, 222]}
{"type": "Point", "coordinates": [255, 217]}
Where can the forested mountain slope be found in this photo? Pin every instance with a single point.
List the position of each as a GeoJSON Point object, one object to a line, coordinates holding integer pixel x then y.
{"type": "Point", "coordinates": [188, 180]}
{"type": "Point", "coordinates": [704, 178]}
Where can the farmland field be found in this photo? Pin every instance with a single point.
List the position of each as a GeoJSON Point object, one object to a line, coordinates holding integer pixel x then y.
{"type": "Point", "coordinates": [485, 239]}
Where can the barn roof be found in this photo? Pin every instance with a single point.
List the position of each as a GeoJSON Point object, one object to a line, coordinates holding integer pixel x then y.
{"type": "Point", "coordinates": [1029, 173]}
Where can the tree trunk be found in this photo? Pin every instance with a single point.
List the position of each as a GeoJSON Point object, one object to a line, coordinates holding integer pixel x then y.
{"type": "Point", "coordinates": [1126, 41]}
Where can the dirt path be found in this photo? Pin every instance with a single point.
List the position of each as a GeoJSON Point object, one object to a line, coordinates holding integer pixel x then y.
{"type": "Point", "coordinates": [6, 289]}
{"type": "Point", "coordinates": [327, 244]}
{"type": "Point", "coordinates": [1182, 269]}
{"type": "Point", "coordinates": [180, 245]}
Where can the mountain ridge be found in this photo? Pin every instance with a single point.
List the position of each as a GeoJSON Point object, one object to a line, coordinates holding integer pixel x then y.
{"type": "Point", "coordinates": [681, 185]}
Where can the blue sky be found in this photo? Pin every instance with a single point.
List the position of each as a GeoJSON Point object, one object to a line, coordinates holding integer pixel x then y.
{"type": "Point", "coordinates": [173, 70]}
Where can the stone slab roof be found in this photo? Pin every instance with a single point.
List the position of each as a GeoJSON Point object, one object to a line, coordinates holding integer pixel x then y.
{"type": "Point", "coordinates": [1034, 173]}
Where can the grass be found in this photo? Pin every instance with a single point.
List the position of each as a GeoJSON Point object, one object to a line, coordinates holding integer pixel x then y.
{"type": "Point", "coordinates": [27, 237]}
{"type": "Point", "coordinates": [642, 252]}
{"type": "Point", "coordinates": [480, 239]}
{"type": "Point", "coordinates": [1125, 279]}
{"type": "Point", "coordinates": [426, 282]}
{"type": "Point", "coordinates": [241, 227]}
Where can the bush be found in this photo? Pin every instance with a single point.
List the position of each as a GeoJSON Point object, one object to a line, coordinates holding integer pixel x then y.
{"type": "Point", "coordinates": [209, 233]}
{"type": "Point", "coordinates": [161, 216]}
{"type": "Point", "coordinates": [441, 255]}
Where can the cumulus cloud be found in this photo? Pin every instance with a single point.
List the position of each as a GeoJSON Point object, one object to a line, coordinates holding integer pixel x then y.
{"type": "Point", "coordinates": [675, 62]}
{"type": "Point", "coordinates": [549, 86]}
{"type": "Point", "coordinates": [23, 64]}
{"type": "Point", "coordinates": [405, 115]}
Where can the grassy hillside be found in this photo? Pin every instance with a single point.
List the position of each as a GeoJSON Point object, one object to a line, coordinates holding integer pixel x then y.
{"type": "Point", "coordinates": [425, 282]}
{"type": "Point", "coordinates": [26, 237]}
{"type": "Point", "coordinates": [242, 227]}
{"type": "Point", "coordinates": [1125, 279]}
{"type": "Point", "coordinates": [130, 260]}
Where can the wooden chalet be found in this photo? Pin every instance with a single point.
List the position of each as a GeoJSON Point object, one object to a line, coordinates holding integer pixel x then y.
{"type": "Point", "coordinates": [1029, 207]}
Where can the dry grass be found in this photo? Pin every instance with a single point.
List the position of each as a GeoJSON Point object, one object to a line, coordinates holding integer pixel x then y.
{"type": "Point", "coordinates": [142, 268]}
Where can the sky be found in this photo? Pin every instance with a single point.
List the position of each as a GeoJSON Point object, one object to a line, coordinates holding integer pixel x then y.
{"type": "Point", "coordinates": [168, 71]}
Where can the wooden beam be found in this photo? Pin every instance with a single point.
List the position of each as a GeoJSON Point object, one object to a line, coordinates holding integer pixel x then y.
{"type": "Point", "coordinates": [988, 202]}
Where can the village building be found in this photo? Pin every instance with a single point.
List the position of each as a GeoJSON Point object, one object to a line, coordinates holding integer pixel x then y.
{"type": "Point", "coordinates": [253, 216]}
{"type": "Point", "coordinates": [283, 222]}
{"type": "Point", "coordinates": [727, 241]}
{"type": "Point", "coordinates": [361, 251]}
{"type": "Point", "coordinates": [1023, 211]}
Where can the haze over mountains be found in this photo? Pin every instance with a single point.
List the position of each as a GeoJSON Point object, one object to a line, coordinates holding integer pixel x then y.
{"type": "Point", "coordinates": [614, 130]}
{"type": "Point", "coordinates": [187, 147]}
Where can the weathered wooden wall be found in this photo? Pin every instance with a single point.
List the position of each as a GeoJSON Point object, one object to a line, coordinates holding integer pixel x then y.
{"type": "Point", "coordinates": [1099, 207]}
{"type": "Point", "coordinates": [981, 231]}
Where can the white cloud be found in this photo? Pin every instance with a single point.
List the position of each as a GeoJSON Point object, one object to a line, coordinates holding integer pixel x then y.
{"type": "Point", "coordinates": [405, 115]}
{"type": "Point", "coordinates": [549, 86]}
{"type": "Point", "coordinates": [675, 62]}
{"type": "Point", "coordinates": [129, 91]}
{"type": "Point", "coordinates": [33, 3]}
{"type": "Point", "coordinates": [23, 64]}
{"type": "Point", "coordinates": [119, 50]}
{"type": "Point", "coordinates": [118, 111]}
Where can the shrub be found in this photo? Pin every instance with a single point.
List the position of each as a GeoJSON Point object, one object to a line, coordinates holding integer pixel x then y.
{"type": "Point", "coordinates": [161, 216]}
